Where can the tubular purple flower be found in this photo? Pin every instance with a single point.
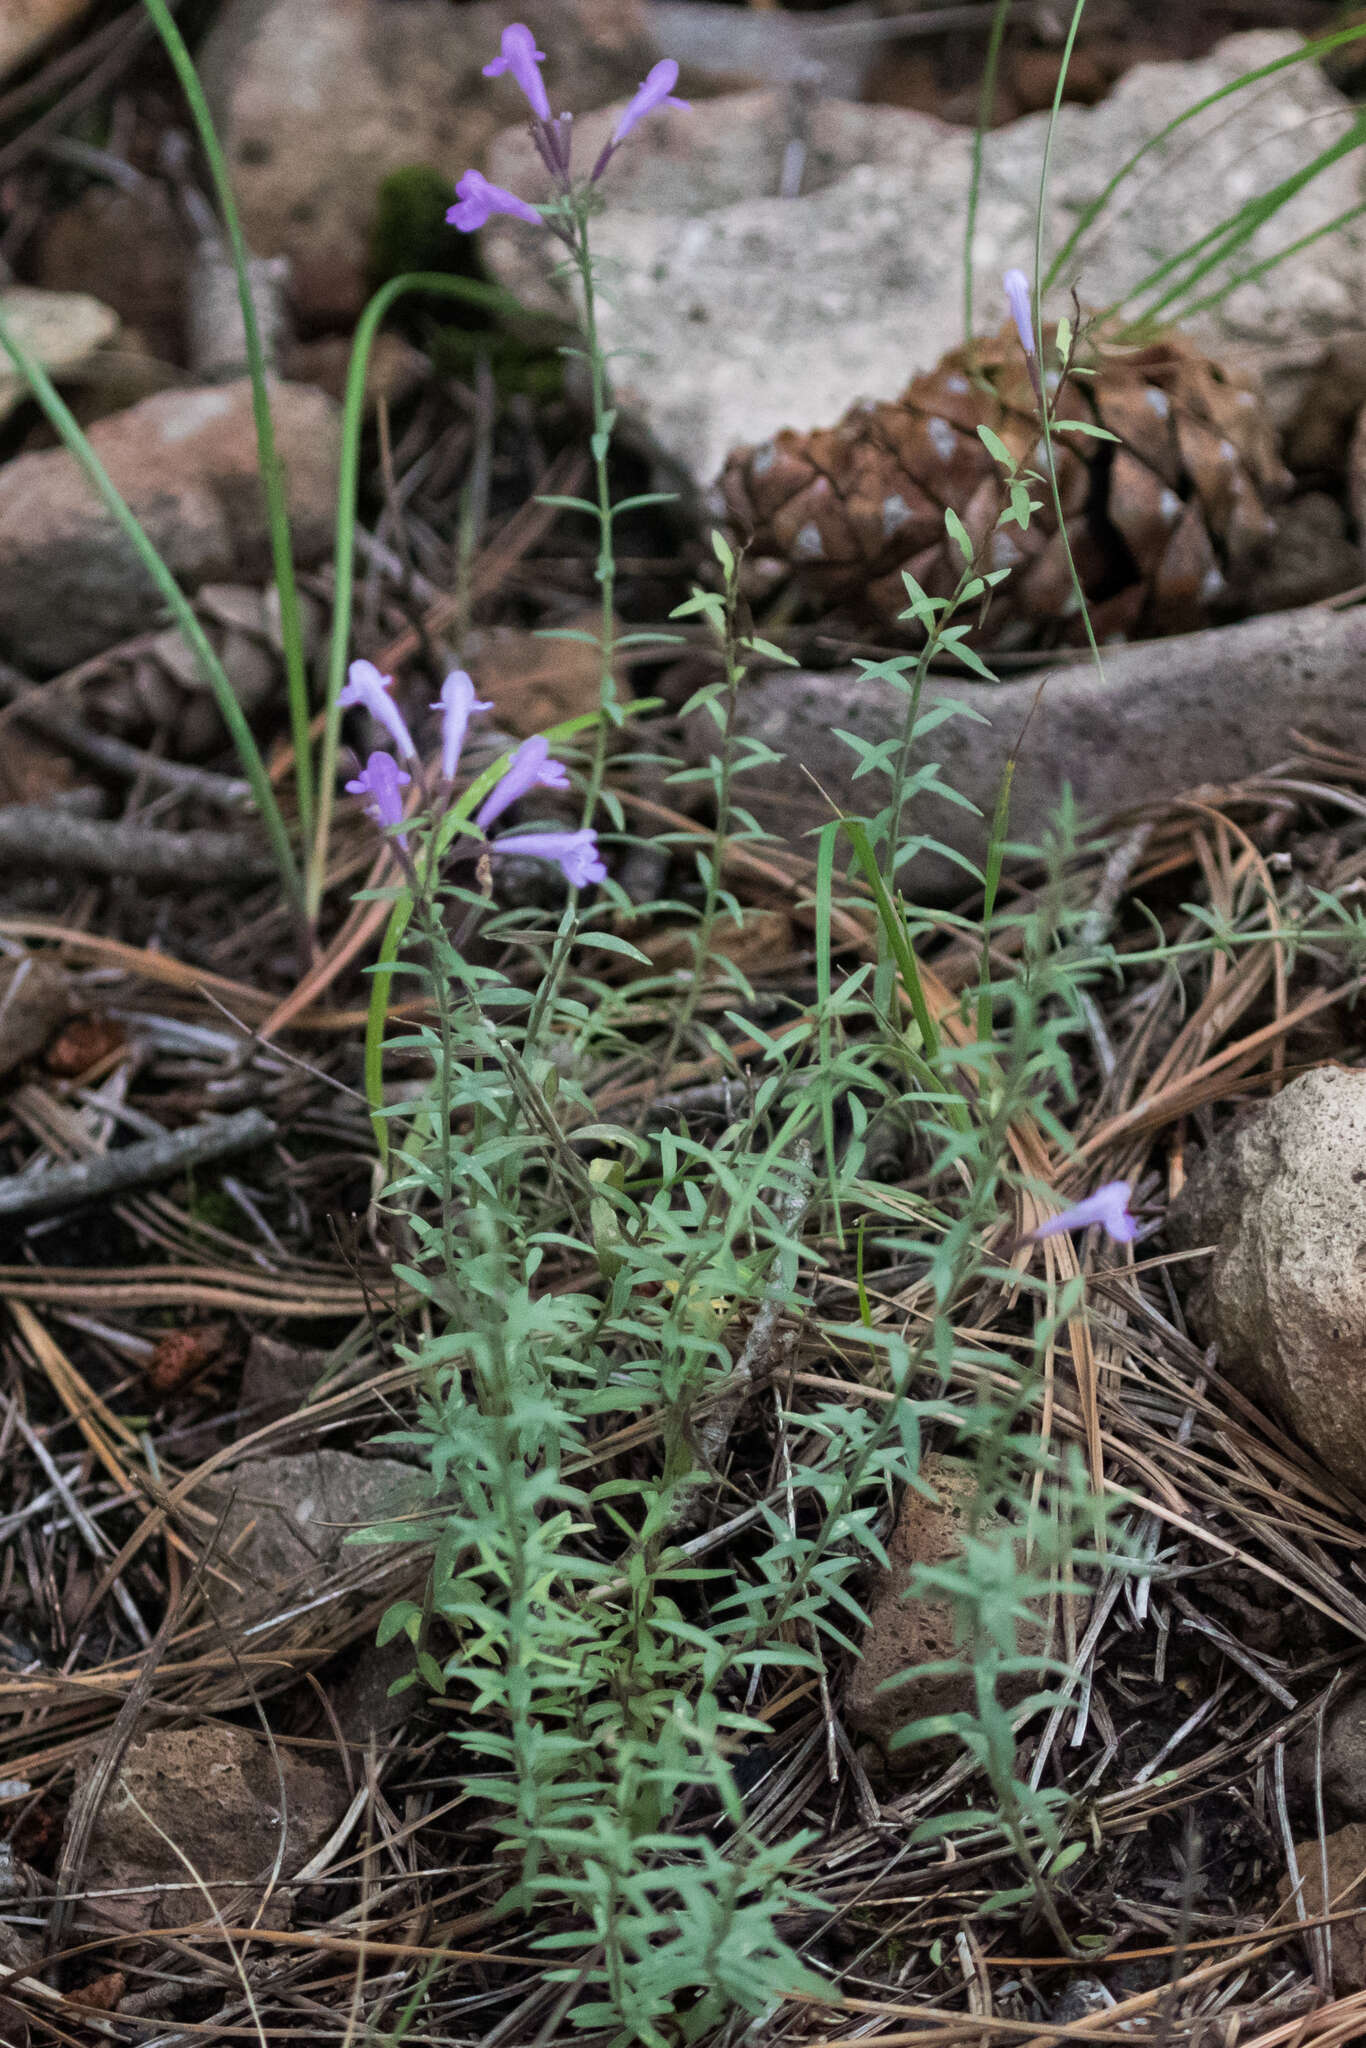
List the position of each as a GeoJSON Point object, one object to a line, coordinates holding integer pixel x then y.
{"type": "Point", "coordinates": [365, 685]}
{"type": "Point", "coordinates": [457, 705]}
{"type": "Point", "coordinates": [379, 785]}
{"type": "Point", "coordinates": [478, 201]}
{"type": "Point", "coordinates": [531, 768]}
{"type": "Point", "coordinates": [1021, 302]}
{"type": "Point", "coordinates": [657, 90]}
{"type": "Point", "coordinates": [521, 57]}
{"type": "Point", "coordinates": [574, 853]}
{"type": "Point", "coordinates": [1108, 1206]}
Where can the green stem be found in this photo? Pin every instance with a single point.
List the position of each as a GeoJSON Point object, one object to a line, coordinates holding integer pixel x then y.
{"type": "Point", "coordinates": [225, 697]}
{"type": "Point", "coordinates": [606, 568]}
{"type": "Point", "coordinates": [272, 470]}
{"type": "Point", "coordinates": [439, 284]}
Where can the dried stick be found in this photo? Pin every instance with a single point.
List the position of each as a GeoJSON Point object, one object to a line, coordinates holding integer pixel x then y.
{"type": "Point", "coordinates": [43, 836]}
{"type": "Point", "coordinates": [56, 1188]}
{"type": "Point", "coordinates": [225, 792]}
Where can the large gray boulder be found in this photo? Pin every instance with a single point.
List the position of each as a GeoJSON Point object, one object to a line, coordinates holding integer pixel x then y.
{"type": "Point", "coordinates": [743, 312]}
{"type": "Point", "coordinates": [1282, 1199]}
{"type": "Point", "coordinates": [1168, 714]}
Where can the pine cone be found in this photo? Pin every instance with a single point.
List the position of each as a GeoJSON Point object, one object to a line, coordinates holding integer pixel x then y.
{"type": "Point", "coordinates": [1165, 528]}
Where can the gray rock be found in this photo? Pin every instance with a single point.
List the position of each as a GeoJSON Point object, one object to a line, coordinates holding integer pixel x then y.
{"type": "Point", "coordinates": [728, 48]}
{"type": "Point", "coordinates": [279, 1376]}
{"type": "Point", "coordinates": [748, 312]}
{"type": "Point", "coordinates": [1342, 1761]}
{"type": "Point", "coordinates": [317, 105]}
{"type": "Point", "coordinates": [1312, 557]}
{"type": "Point", "coordinates": [285, 1520]}
{"type": "Point", "coordinates": [185, 461]}
{"type": "Point", "coordinates": [63, 330]}
{"type": "Point", "coordinates": [1282, 1198]}
{"type": "Point", "coordinates": [1169, 714]}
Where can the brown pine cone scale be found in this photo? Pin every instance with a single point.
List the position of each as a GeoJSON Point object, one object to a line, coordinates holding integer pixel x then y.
{"type": "Point", "coordinates": [1166, 524]}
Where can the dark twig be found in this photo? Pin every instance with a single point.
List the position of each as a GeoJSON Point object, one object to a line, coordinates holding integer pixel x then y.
{"type": "Point", "coordinates": [224, 792]}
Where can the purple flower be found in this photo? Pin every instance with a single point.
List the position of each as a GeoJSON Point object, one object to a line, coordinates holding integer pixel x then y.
{"type": "Point", "coordinates": [379, 783]}
{"type": "Point", "coordinates": [656, 91]}
{"type": "Point", "coordinates": [457, 704]}
{"type": "Point", "coordinates": [1021, 302]}
{"type": "Point", "coordinates": [574, 853]}
{"type": "Point", "coordinates": [365, 685]}
{"type": "Point", "coordinates": [521, 57]}
{"type": "Point", "coordinates": [531, 768]}
{"type": "Point", "coordinates": [478, 200]}
{"type": "Point", "coordinates": [1108, 1206]}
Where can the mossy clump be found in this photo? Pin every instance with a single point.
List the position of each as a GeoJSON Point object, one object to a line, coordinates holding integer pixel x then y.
{"type": "Point", "coordinates": [410, 230]}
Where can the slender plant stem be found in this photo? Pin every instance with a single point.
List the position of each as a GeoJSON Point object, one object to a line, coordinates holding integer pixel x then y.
{"type": "Point", "coordinates": [706, 923]}
{"type": "Point", "coordinates": [606, 566]}
{"type": "Point", "coordinates": [225, 697]}
{"type": "Point", "coordinates": [439, 284]}
{"type": "Point", "coordinates": [272, 470]}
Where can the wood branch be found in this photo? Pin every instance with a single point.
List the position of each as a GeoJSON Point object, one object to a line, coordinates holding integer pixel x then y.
{"type": "Point", "coordinates": [43, 836]}
{"type": "Point", "coordinates": [56, 1188]}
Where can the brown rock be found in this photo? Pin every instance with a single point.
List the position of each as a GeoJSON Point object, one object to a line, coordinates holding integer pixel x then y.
{"type": "Point", "coordinates": [1311, 557]}
{"type": "Point", "coordinates": [1356, 479]}
{"type": "Point", "coordinates": [533, 682]}
{"type": "Point", "coordinates": [25, 25]}
{"type": "Point", "coordinates": [35, 996]}
{"type": "Point", "coordinates": [85, 1042]}
{"type": "Point", "coordinates": [318, 105]}
{"type": "Point", "coordinates": [903, 1633]}
{"type": "Point", "coordinates": [133, 250]}
{"type": "Point", "coordinates": [185, 461]}
{"type": "Point", "coordinates": [1282, 1198]}
{"type": "Point", "coordinates": [393, 373]}
{"type": "Point", "coordinates": [1345, 1855]}
{"type": "Point", "coordinates": [31, 770]}
{"type": "Point", "coordinates": [195, 1814]}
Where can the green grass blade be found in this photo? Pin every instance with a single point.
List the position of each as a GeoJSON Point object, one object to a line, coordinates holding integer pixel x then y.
{"type": "Point", "coordinates": [253, 767]}
{"type": "Point", "coordinates": [1308, 54]}
{"type": "Point", "coordinates": [1040, 281]}
{"type": "Point", "coordinates": [894, 930]}
{"type": "Point", "coordinates": [1255, 270]}
{"type": "Point", "coordinates": [272, 470]}
{"type": "Point", "coordinates": [825, 887]}
{"type": "Point", "coordinates": [1214, 248]}
{"type": "Point", "coordinates": [986, 105]}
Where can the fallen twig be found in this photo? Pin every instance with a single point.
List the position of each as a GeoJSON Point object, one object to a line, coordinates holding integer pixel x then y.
{"type": "Point", "coordinates": [45, 836]}
{"type": "Point", "coordinates": [225, 792]}
{"type": "Point", "coordinates": [133, 1166]}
